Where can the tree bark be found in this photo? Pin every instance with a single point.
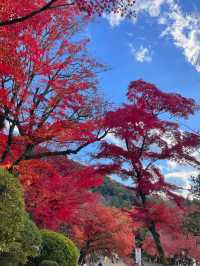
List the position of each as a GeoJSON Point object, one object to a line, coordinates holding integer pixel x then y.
{"type": "Point", "coordinates": [81, 260]}
{"type": "Point", "coordinates": [156, 237]}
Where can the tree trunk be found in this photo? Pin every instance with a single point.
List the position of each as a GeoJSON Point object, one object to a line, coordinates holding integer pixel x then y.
{"type": "Point", "coordinates": [81, 260]}
{"type": "Point", "coordinates": [158, 244]}
{"type": "Point", "coordinates": [155, 234]}
{"type": "Point", "coordinates": [83, 253]}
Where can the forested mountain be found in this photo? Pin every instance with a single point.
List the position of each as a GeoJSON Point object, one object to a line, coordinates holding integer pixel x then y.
{"type": "Point", "coordinates": [115, 194]}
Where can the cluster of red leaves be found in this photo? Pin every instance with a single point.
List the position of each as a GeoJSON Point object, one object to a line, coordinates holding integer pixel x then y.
{"type": "Point", "coordinates": [56, 189]}
{"type": "Point", "coordinates": [151, 99]}
{"type": "Point", "coordinates": [169, 221]}
{"type": "Point", "coordinates": [104, 230]}
{"type": "Point", "coordinates": [12, 12]}
{"type": "Point", "coordinates": [173, 244]}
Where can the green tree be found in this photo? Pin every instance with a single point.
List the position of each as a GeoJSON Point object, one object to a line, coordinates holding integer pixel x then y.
{"type": "Point", "coordinates": [115, 194]}
{"type": "Point", "coordinates": [191, 223]}
{"type": "Point", "coordinates": [196, 186]}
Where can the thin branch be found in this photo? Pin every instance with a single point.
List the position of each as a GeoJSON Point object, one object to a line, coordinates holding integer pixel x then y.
{"type": "Point", "coordinates": [28, 156]}
{"type": "Point", "coordinates": [31, 14]}
{"type": "Point", "coordinates": [65, 152]}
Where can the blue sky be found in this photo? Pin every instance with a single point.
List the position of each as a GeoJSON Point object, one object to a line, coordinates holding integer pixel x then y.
{"type": "Point", "coordinates": [135, 50]}
{"type": "Point", "coordinates": [161, 45]}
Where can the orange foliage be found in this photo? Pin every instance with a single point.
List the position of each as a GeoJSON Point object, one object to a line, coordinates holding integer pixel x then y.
{"type": "Point", "coordinates": [104, 230]}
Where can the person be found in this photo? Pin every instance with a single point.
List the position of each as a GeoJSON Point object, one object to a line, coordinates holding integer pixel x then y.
{"type": "Point", "coordinates": [194, 262]}
{"type": "Point", "coordinates": [105, 260]}
{"type": "Point", "coordinates": [100, 263]}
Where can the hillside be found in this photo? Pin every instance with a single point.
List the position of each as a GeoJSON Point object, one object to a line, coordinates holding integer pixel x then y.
{"type": "Point", "coordinates": [115, 194]}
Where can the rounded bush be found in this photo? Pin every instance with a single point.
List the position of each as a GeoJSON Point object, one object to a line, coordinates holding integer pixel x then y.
{"type": "Point", "coordinates": [19, 236]}
{"type": "Point", "coordinates": [28, 245]}
{"type": "Point", "coordinates": [11, 210]}
{"type": "Point", "coordinates": [57, 248]}
{"type": "Point", "coordinates": [31, 238]}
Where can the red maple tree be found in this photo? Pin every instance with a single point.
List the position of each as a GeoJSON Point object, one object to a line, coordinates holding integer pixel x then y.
{"type": "Point", "coordinates": [148, 135]}
{"type": "Point", "coordinates": [48, 90]}
{"type": "Point", "coordinates": [173, 236]}
{"type": "Point", "coordinates": [103, 231]}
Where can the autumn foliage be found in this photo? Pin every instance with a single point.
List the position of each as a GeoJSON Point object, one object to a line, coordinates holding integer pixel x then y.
{"type": "Point", "coordinates": [56, 190]}
{"type": "Point", "coordinates": [146, 136]}
{"type": "Point", "coordinates": [50, 109]}
{"type": "Point", "coordinates": [173, 236]}
{"type": "Point", "coordinates": [48, 90]}
{"type": "Point", "coordinates": [103, 231]}
{"type": "Point", "coordinates": [49, 106]}
{"type": "Point", "coordinates": [19, 12]}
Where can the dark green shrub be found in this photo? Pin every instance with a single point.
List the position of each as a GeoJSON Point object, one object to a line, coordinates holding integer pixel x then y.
{"type": "Point", "coordinates": [57, 248]}
{"type": "Point", "coordinates": [11, 210]}
{"type": "Point", "coordinates": [28, 245]}
{"type": "Point", "coordinates": [19, 236]}
{"type": "Point", "coordinates": [31, 238]}
{"type": "Point", "coordinates": [48, 263]}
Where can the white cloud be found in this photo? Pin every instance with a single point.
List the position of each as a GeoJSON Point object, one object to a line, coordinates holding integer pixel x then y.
{"type": "Point", "coordinates": [152, 7]}
{"type": "Point", "coordinates": [142, 54]}
{"type": "Point", "coordinates": [7, 127]}
{"type": "Point", "coordinates": [110, 138]}
{"type": "Point", "coordinates": [183, 174]}
{"type": "Point", "coordinates": [185, 33]}
{"type": "Point", "coordinates": [172, 165]}
{"type": "Point", "coordinates": [114, 19]}
{"type": "Point", "coordinates": [183, 29]}
{"type": "Point", "coordinates": [180, 175]}
{"type": "Point", "coordinates": [162, 20]}
{"type": "Point", "coordinates": [180, 171]}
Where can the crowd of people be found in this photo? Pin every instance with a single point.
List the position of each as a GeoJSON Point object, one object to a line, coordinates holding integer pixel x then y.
{"type": "Point", "coordinates": [182, 259]}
